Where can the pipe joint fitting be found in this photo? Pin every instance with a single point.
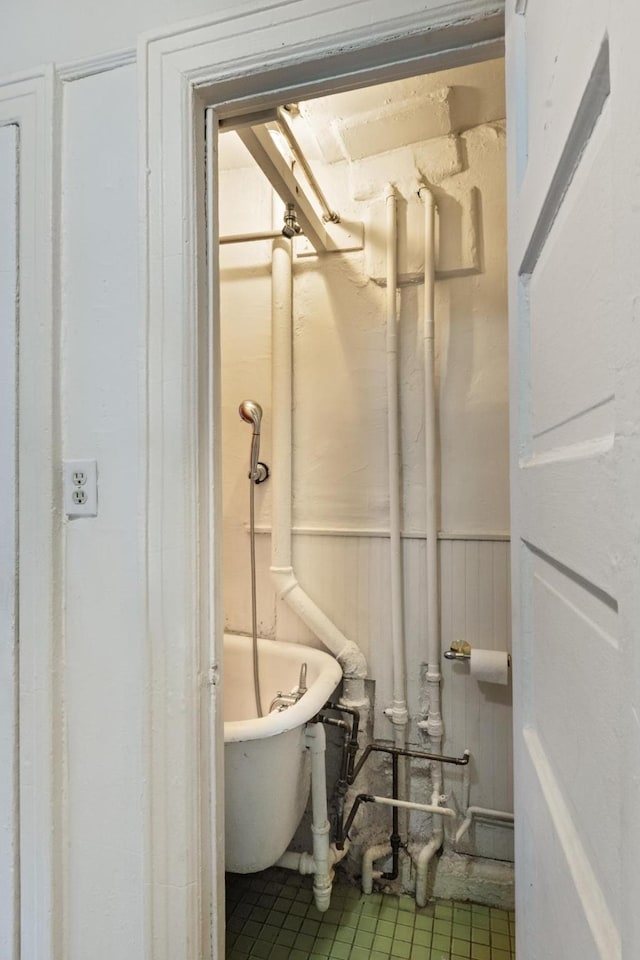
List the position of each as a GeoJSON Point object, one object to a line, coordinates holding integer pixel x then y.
{"type": "Point", "coordinates": [398, 715]}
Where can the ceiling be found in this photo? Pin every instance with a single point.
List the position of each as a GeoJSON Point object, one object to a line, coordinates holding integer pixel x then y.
{"type": "Point", "coordinates": [374, 120]}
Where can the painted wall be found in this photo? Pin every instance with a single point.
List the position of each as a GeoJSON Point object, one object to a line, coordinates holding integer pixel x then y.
{"type": "Point", "coordinates": [341, 553]}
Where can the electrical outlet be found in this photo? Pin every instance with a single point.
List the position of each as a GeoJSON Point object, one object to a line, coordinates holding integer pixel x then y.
{"type": "Point", "coordinates": [80, 488]}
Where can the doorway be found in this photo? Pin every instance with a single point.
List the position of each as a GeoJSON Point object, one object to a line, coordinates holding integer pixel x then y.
{"type": "Point", "coordinates": [445, 130]}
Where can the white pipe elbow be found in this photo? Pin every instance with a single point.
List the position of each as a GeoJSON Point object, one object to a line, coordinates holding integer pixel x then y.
{"type": "Point", "coordinates": [425, 857]}
{"type": "Point", "coordinates": [369, 857]}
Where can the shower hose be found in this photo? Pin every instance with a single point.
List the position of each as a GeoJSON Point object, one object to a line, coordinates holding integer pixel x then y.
{"type": "Point", "coordinates": [254, 614]}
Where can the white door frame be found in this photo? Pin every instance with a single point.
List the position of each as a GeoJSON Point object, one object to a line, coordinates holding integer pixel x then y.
{"type": "Point", "coordinates": [28, 103]}
{"type": "Point", "coordinates": [233, 62]}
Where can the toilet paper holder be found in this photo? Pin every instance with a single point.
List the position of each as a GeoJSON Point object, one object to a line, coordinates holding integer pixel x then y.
{"type": "Point", "coordinates": [462, 651]}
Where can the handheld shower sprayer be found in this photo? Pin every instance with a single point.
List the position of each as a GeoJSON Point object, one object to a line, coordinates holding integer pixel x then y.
{"type": "Point", "coordinates": [251, 412]}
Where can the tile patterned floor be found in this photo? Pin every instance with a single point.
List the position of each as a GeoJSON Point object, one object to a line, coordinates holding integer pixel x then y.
{"type": "Point", "coordinates": [271, 916]}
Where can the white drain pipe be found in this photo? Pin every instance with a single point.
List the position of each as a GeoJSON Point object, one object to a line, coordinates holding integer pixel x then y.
{"type": "Point", "coordinates": [348, 654]}
{"type": "Point", "coordinates": [433, 723]}
{"type": "Point", "coordinates": [397, 712]}
{"type": "Point", "coordinates": [321, 862]}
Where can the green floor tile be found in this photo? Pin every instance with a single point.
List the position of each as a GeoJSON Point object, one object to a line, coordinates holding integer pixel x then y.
{"type": "Point", "coordinates": [298, 909]}
{"type": "Point", "coordinates": [405, 919]}
{"type": "Point", "coordinates": [438, 942]}
{"type": "Point", "coordinates": [400, 949]}
{"type": "Point", "coordinates": [243, 944]}
{"type": "Point", "coordinates": [480, 951]}
{"type": "Point", "coordinates": [271, 916]}
{"type": "Point", "coordinates": [285, 938]}
{"type": "Point", "coordinates": [260, 950]}
{"type": "Point", "coordinates": [359, 953]}
{"type": "Point", "coordinates": [462, 948]}
{"type": "Point", "coordinates": [500, 941]}
{"type": "Point", "coordinates": [304, 942]}
{"type": "Point", "coordinates": [322, 947]}
{"type": "Point", "coordinates": [382, 944]}
{"type": "Point", "coordinates": [340, 951]}
{"type": "Point", "coordinates": [422, 938]}
{"type": "Point", "coordinates": [363, 938]}
{"type": "Point", "coordinates": [345, 934]}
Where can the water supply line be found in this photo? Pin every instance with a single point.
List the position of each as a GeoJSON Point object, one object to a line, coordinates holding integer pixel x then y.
{"type": "Point", "coordinates": [348, 654]}
{"type": "Point", "coordinates": [432, 725]}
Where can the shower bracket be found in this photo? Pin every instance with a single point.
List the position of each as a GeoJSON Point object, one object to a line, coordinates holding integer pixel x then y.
{"type": "Point", "coordinates": [261, 473]}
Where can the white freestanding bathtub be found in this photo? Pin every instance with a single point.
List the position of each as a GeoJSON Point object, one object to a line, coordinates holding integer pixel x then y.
{"type": "Point", "coordinates": [267, 769]}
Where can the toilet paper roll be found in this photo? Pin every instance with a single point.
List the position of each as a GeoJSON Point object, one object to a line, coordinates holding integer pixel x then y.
{"type": "Point", "coordinates": [490, 666]}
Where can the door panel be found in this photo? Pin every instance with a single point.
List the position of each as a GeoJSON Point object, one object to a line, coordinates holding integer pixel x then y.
{"type": "Point", "coordinates": [570, 539]}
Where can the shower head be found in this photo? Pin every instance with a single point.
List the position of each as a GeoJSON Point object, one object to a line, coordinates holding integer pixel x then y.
{"type": "Point", "coordinates": [251, 412]}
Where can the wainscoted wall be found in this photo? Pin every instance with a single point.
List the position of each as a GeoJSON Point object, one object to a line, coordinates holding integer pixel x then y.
{"type": "Point", "coordinates": [340, 506]}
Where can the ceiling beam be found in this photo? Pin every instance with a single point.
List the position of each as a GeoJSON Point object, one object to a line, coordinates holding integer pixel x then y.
{"type": "Point", "coordinates": [260, 145]}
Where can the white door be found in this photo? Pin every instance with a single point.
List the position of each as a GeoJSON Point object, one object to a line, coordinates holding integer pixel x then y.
{"type": "Point", "coordinates": [574, 191]}
{"type": "Point", "coordinates": [8, 636]}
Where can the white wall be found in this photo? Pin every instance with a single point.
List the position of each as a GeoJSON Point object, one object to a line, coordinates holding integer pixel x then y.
{"type": "Point", "coordinates": [105, 673]}
{"type": "Point", "coordinates": [340, 464]}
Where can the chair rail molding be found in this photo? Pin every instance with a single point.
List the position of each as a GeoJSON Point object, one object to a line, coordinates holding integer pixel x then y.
{"type": "Point", "coordinates": [234, 62]}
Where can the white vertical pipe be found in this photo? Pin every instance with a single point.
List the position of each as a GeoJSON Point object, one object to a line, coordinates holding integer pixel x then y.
{"type": "Point", "coordinates": [433, 723]}
{"type": "Point", "coordinates": [431, 465]}
{"type": "Point", "coordinates": [323, 875]}
{"type": "Point", "coordinates": [281, 402]}
{"type": "Point", "coordinates": [398, 711]}
{"type": "Point", "coordinates": [348, 654]}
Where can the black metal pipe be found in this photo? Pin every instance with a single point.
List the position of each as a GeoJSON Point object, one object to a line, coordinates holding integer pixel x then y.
{"type": "Point", "coordinates": [394, 839]}
{"type": "Point", "coordinates": [402, 752]}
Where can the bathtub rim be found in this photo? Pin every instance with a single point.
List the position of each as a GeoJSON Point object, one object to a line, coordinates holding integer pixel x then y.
{"type": "Point", "coordinates": [259, 728]}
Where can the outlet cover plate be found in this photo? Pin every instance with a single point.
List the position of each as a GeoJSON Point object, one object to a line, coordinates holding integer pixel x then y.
{"type": "Point", "coordinates": [80, 488]}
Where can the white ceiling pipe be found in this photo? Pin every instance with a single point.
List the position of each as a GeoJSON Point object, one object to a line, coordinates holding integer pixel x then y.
{"type": "Point", "coordinates": [397, 712]}
{"type": "Point", "coordinates": [348, 654]}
